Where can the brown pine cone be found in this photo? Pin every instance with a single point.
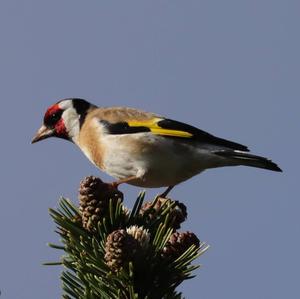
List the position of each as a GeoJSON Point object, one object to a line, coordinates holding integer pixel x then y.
{"type": "Point", "coordinates": [120, 248]}
{"type": "Point", "coordinates": [178, 212]}
{"type": "Point", "coordinates": [94, 196]}
{"type": "Point", "coordinates": [178, 244]}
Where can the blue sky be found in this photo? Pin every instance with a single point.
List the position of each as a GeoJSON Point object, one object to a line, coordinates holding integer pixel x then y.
{"type": "Point", "coordinates": [228, 67]}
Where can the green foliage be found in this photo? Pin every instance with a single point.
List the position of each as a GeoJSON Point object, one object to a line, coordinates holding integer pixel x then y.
{"type": "Point", "coordinates": [148, 275]}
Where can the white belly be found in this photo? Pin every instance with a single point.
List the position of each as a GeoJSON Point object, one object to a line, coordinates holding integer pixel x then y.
{"type": "Point", "coordinates": [156, 161]}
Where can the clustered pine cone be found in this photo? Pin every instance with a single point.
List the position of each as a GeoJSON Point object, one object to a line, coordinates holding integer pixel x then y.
{"type": "Point", "coordinates": [94, 196]}
{"type": "Point", "coordinates": [178, 212]}
{"type": "Point", "coordinates": [178, 244]}
{"type": "Point", "coordinates": [120, 249]}
{"type": "Point", "coordinates": [122, 245]}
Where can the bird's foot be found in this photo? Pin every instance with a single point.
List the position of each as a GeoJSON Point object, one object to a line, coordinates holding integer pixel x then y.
{"type": "Point", "coordinates": [113, 186]}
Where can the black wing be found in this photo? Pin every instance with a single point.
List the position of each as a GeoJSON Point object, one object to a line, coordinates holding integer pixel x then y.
{"type": "Point", "coordinates": [200, 135]}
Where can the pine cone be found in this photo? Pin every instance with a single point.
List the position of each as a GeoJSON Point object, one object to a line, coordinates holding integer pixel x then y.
{"type": "Point", "coordinates": [178, 212]}
{"type": "Point", "coordinates": [94, 196]}
{"type": "Point", "coordinates": [178, 244]}
{"type": "Point", "coordinates": [120, 248]}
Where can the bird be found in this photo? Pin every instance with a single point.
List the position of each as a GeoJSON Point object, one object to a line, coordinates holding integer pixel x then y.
{"type": "Point", "coordinates": [141, 148]}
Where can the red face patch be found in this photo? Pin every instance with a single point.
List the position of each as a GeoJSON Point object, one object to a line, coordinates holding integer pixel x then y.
{"type": "Point", "coordinates": [53, 119]}
{"type": "Point", "coordinates": [51, 110]}
{"type": "Point", "coordinates": [60, 129]}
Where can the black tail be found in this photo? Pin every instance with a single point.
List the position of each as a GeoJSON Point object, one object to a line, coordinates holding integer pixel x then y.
{"type": "Point", "coordinates": [242, 158]}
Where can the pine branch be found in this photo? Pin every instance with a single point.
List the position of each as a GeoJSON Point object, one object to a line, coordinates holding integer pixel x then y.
{"type": "Point", "coordinates": [111, 252]}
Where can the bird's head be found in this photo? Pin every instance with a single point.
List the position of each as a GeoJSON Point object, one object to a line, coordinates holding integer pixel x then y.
{"type": "Point", "coordinates": [63, 120]}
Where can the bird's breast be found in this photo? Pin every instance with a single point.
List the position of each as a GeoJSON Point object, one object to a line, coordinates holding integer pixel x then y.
{"type": "Point", "coordinates": [89, 142]}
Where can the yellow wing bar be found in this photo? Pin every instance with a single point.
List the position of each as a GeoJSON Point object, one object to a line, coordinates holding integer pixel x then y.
{"type": "Point", "coordinates": [156, 129]}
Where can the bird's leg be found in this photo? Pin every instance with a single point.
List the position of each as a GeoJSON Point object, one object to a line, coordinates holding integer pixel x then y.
{"type": "Point", "coordinates": [116, 184]}
{"type": "Point", "coordinates": [164, 194]}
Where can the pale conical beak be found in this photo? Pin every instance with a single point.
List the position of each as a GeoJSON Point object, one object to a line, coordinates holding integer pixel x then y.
{"type": "Point", "coordinates": [42, 133]}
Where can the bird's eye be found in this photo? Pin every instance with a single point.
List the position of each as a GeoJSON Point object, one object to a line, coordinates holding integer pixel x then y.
{"type": "Point", "coordinates": [55, 117]}
{"type": "Point", "coordinates": [50, 120]}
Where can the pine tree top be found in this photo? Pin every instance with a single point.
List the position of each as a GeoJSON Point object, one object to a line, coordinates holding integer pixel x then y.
{"type": "Point", "coordinates": [113, 252]}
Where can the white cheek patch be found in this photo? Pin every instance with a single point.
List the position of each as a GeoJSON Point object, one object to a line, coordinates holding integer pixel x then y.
{"type": "Point", "coordinates": [71, 121]}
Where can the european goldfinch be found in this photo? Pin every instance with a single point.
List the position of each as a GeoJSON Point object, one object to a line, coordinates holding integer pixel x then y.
{"type": "Point", "coordinates": [140, 148]}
